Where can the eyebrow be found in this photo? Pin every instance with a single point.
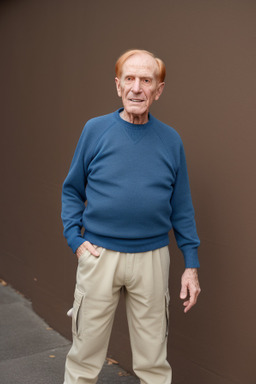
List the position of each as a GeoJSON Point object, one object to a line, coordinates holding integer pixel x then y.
{"type": "Point", "coordinates": [141, 77]}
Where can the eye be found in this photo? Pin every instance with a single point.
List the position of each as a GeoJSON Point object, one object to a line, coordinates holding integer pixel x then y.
{"type": "Point", "coordinates": [147, 81]}
{"type": "Point", "coordinates": [128, 78]}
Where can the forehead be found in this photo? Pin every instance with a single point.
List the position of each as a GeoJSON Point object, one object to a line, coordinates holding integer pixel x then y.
{"type": "Point", "coordinates": [141, 65]}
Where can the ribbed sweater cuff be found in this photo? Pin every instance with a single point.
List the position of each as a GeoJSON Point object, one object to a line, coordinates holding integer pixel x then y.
{"type": "Point", "coordinates": [75, 242]}
{"type": "Point", "coordinates": [191, 258]}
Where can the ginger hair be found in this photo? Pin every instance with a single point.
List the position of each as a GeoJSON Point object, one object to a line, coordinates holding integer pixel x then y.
{"type": "Point", "coordinates": [126, 55]}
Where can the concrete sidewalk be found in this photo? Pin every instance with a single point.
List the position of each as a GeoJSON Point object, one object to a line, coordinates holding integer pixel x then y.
{"type": "Point", "coordinates": [31, 352]}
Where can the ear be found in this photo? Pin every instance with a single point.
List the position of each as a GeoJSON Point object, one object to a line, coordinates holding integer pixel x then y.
{"type": "Point", "coordinates": [159, 90]}
{"type": "Point", "coordinates": [118, 86]}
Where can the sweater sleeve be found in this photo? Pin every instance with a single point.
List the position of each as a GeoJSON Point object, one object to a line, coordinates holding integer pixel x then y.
{"type": "Point", "coordinates": [74, 197]}
{"type": "Point", "coordinates": [182, 217]}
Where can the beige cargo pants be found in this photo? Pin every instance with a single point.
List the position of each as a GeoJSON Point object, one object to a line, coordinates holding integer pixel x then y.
{"type": "Point", "coordinates": [99, 281]}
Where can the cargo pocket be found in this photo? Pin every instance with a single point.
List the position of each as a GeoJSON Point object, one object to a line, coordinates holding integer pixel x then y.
{"type": "Point", "coordinates": [167, 303]}
{"type": "Point", "coordinates": [76, 313]}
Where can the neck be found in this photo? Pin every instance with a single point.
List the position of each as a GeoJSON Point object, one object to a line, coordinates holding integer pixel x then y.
{"type": "Point", "coordinates": [134, 119]}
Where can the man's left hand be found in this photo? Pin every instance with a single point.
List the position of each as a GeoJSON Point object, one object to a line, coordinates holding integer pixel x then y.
{"type": "Point", "coordinates": [190, 288]}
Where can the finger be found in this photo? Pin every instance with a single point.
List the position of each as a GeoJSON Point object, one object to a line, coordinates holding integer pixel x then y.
{"type": "Point", "coordinates": [191, 302]}
{"type": "Point", "coordinates": [91, 248]}
{"type": "Point", "coordinates": [184, 291]}
{"type": "Point", "coordinates": [188, 305]}
{"type": "Point", "coordinates": [80, 250]}
{"type": "Point", "coordinates": [188, 308]}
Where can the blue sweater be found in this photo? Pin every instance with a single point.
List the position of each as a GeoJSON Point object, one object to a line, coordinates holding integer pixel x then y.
{"type": "Point", "coordinates": [134, 181]}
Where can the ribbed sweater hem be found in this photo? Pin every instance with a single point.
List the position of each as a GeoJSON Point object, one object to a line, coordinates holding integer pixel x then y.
{"type": "Point", "coordinates": [128, 245]}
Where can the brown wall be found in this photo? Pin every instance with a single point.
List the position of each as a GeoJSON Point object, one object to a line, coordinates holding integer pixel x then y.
{"type": "Point", "coordinates": [57, 60]}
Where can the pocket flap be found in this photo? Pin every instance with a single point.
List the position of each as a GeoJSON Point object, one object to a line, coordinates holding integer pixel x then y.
{"type": "Point", "coordinates": [78, 297]}
{"type": "Point", "coordinates": [76, 309]}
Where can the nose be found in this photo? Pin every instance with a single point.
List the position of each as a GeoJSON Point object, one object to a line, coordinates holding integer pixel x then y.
{"type": "Point", "coordinates": [136, 86]}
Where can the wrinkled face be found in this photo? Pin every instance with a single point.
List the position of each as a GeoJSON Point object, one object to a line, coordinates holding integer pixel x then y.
{"type": "Point", "coordinates": [138, 85]}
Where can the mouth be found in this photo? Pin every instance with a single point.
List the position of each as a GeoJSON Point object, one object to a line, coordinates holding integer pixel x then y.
{"type": "Point", "coordinates": [136, 100]}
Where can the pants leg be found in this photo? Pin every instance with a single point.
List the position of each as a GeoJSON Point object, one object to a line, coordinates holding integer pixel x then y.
{"type": "Point", "coordinates": [147, 303]}
{"type": "Point", "coordinates": [145, 276]}
{"type": "Point", "coordinates": [96, 298]}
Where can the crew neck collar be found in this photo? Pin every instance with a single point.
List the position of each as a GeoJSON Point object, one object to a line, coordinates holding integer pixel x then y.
{"type": "Point", "coordinates": [131, 125]}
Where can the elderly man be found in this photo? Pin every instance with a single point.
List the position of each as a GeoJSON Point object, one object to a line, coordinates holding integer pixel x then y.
{"type": "Point", "coordinates": [130, 169]}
